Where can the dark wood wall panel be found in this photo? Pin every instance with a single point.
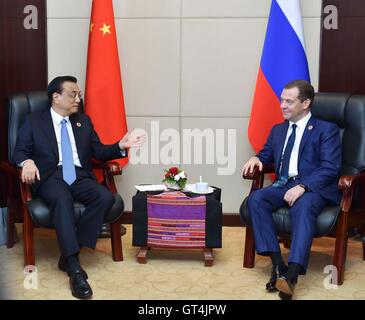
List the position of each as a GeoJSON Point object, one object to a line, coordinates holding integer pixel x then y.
{"type": "Point", "coordinates": [23, 61]}
{"type": "Point", "coordinates": [342, 63]}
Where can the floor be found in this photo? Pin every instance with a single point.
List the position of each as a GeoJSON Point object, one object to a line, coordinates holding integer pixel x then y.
{"type": "Point", "coordinates": [174, 274]}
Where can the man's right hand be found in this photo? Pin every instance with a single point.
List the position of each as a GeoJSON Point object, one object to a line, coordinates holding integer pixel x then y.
{"type": "Point", "coordinates": [251, 164]}
{"type": "Point", "coordinates": [30, 172]}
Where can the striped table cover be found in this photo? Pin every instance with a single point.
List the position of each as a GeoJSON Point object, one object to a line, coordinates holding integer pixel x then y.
{"type": "Point", "coordinates": [176, 221]}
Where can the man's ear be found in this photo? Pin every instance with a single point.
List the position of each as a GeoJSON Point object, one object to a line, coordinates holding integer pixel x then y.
{"type": "Point", "coordinates": [55, 97]}
{"type": "Point", "coordinates": [307, 103]}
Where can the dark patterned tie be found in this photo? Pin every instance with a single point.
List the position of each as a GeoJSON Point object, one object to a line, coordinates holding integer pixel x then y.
{"type": "Point", "coordinates": [284, 169]}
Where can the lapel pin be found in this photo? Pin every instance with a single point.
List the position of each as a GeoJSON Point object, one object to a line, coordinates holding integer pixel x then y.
{"type": "Point", "coordinates": [310, 127]}
{"type": "Point", "coordinates": [78, 124]}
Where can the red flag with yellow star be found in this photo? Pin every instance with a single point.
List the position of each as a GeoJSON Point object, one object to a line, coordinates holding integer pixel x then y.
{"type": "Point", "coordinates": [104, 101]}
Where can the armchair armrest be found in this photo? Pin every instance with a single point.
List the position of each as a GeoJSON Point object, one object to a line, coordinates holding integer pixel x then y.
{"type": "Point", "coordinates": [25, 192]}
{"type": "Point", "coordinates": [14, 172]}
{"type": "Point", "coordinates": [347, 184]}
{"type": "Point", "coordinates": [267, 168]}
{"type": "Point", "coordinates": [111, 168]}
{"type": "Point", "coordinates": [258, 176]}
{"type": "Point", "coordinates": [10, 169]}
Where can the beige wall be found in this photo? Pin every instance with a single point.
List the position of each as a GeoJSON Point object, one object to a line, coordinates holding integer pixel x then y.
{"type": "Point", "coordinates": [186, 63]}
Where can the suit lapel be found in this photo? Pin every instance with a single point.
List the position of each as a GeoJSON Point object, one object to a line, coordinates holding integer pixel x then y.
{"type": "Point", "coordinates": [307, 132]}
{"type": "Point", "coordinates": [47, 125]}
{"type": "Point", "coordinates": [281, 138]}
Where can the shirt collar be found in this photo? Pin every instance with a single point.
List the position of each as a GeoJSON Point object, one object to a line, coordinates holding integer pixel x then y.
{"type": "Point", "coordinates": [302, 122]}
{"type": "Point", "coordinates": [57, 118]}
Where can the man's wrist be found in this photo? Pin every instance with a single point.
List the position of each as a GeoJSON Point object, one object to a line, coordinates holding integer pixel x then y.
{"type": "Point", "coordinates": [21, 165]}
{"type": "Point", "coordinates": [304, 187]}
{"type": "Point", "coordinates": [122, 146]}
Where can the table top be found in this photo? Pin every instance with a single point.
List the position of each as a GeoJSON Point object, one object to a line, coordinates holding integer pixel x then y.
{"type": "Point", "coordinates": [216, 193]}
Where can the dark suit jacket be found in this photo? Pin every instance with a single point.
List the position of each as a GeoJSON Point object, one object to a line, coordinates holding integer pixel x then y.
{"type": "Point", "coordinates": [37, 140]}
{"type": "Point", "coordinates": [319, 158]}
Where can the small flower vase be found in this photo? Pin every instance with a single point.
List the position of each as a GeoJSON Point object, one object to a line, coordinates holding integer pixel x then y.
{"type": "Point", "coordinates": [173, 186]}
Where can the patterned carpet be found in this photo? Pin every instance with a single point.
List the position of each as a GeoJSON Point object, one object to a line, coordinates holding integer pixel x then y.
{"type": "Point", "coordinates": [175, 274]}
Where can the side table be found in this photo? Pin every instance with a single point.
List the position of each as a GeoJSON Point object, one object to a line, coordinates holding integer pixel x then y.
{"type": "Point", "coordinates": [146, 222]}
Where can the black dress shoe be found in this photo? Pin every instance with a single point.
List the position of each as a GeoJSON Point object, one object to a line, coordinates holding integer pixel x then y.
{"type": "Point", "coordinates": [284, 296]}
{"type": "Point", "coordinates": [62, 265]}
{"type": "Point", "coordinates": [286, 287]}
{"type": "Point", "coordinates": [79, 287]}
{"type": "Point", "coordinates": [275, 274]}
{"type": "Point", "coordinates": [105, 230]}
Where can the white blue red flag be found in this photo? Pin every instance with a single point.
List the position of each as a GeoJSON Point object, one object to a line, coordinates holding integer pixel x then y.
{"type": "Point", "coordinates": [283, 60]}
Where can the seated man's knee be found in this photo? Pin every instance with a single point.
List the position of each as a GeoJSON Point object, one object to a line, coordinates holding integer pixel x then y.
{"type": "Point", "coordinates": [255, 198]}
{"type": "Point", "coordinates": [106, 197]}
{"type": "Point", "coordinates": [63, 200]}
{"type": "Point", "coordinates": [304, 211]}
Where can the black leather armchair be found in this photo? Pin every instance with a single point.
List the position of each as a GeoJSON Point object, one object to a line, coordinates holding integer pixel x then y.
{"type": "Point", "coordinates": [349, 114]}
{"type": "Point", "coordinates": [34, 212]}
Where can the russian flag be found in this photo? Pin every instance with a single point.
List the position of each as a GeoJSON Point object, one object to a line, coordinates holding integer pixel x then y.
{"type": "Point", "coordinates": [283, 60]}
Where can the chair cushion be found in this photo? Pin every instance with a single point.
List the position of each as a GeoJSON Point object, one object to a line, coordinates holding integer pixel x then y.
{"type": "Point", "coordinates": [42, 217]}
{"type": "Point", "coordinates": [325, 222]}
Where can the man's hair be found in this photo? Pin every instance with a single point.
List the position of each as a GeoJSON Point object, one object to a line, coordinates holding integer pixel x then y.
{"type": "Point", "coordinates": [56, 85]}
{"type": "Point", "coordinates": [306, 90]}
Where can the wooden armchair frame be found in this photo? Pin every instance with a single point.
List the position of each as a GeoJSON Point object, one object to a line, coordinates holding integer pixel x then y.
{"type": "Point", "coordinates": [109, 169]}
{"type": "Point", "coordinates": [352, 214]}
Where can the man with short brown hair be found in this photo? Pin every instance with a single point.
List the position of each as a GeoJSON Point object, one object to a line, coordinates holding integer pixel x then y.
{"type": "Point", "coordinates": [306, 153]}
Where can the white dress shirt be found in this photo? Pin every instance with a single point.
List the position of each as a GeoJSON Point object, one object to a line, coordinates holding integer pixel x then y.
{"type": "Point", "coordinates": [56, 119]}
{"type": "Point", "coordinates": [301, 125]}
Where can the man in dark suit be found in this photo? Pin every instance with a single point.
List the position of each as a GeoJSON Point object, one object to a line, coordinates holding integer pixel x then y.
{"type": "Point", "coordinates": [54, 149]}
{"type": "Point", "coordinates": [307, 155]}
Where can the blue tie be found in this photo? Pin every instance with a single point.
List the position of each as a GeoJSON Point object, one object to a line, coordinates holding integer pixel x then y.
{"type": "Point", "coordinates": [284, 170]}
{"type": "Point", "coordinates": [68, 167]}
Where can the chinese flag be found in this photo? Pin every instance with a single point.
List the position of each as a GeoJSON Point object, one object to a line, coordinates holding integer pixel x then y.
{"type": "Point", "coordinates": [104, 101]}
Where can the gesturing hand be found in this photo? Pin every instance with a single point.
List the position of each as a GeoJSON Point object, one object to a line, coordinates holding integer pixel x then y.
{"type": "Point", "coordinates": [132, 140]}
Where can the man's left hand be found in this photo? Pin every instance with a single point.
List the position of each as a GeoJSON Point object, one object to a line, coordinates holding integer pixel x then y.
{"type": "Point", "coordinates": [132, 140]}
{"type": "Point", "coordinates": [293, 194]}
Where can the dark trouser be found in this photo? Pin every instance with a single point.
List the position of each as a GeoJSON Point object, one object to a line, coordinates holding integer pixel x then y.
{"type": "Point", "coordinates": [303, 216]}
{"type": "Point", "coordinates": [60, 197]}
